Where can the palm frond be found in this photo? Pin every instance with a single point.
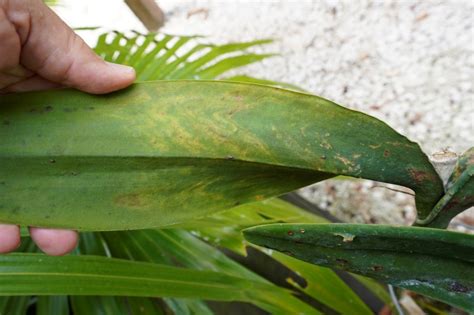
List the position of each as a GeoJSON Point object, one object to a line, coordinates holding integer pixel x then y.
{"type": "Point", "coordinates": [162, 56]}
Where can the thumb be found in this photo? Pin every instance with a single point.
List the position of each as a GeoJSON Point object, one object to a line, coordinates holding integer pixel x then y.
{"type": "Point", "coordinates": [52, 50]}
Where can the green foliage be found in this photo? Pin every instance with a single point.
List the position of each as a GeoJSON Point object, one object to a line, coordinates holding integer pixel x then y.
{"type": "Point", "coordinates": [459, 195]}
{"type": "Point", "coordinates": [434, 262]}
{"type": "Point", "coordinates": [322, 284]}
{"type": "Point", "coordinates": [161, 153]}
{"type": "Point", "coordinates": [168, 57]}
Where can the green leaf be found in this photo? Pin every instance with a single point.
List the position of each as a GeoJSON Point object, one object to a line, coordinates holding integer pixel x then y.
{"type": "Point", "coordinates": [188, 251]}
{"type": "Point", "coordinates": [144, 306]}
{"type": "Point", "coordinates": [247, 79]}
{"type": "Point", "coordinates": [375, 287]}
{"type": "Point", "coordinates": [159, 153]}
{"type": "Point", "coordinates": [98, 305]}
{"type": "Point", "coordinates": [325, 286]}
{"type": "Point", "coordinates": [459, 195]}
{"type": "Point", "coordinates": [143, 246]}
{"type": "Point", "coordinates": [94, 244]}
{"type": "Point", "coordinates": [34, 274]}
{"type": "Point", "coordinates": [57, 305]}
{"type": "Point", "coordinates": [224, 229]}
{"type": "Point", "coordinates": [161, 56]}
{"type": "Point", "coordinates": [433, 262]}
{"type": "Point", "coordinates": [14, 305]}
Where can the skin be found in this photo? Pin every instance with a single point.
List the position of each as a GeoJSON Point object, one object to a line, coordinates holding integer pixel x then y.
{"type": "Point", "coordinates": [39, 51]}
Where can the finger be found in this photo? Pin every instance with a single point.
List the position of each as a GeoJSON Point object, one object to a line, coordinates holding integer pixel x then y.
{"type": "Point", "coordinates": [35, 83]}
{"type": "Point", "coordinates": [10, 43]}
{"type": "Point", "coordinates": [14, 75]}
{"type": "Point", "coordinates": [54, 242]}
{"type": "Point", "coordinates": [9, 237]}
{"type": "Point", "coordinates": [55, 52]}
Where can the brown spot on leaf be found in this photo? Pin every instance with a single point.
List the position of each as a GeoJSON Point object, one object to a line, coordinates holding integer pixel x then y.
{"type": "Point", "coordinates": [376, 268]}
{"type": "Point", "coordinates": [386, 153]}
{"type": "Point", "coordinates": [237, 95]}
{"type": "Point", "coordinates": [418, 176]}
{"type": "Point", "coordinates": [133, 200]}
{"type": "Point", "coordinates": [290, 233]}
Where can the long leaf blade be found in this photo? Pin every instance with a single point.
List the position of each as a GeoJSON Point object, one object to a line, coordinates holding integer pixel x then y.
{"type": "Point", "coordinates": [140, 154]}
{"type": "Point", "coordinates": [33, 274]}
{"type": "Point", "coordinates": [390, 254]}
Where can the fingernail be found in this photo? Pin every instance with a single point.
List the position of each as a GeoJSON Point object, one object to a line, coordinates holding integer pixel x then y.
{"type": "Point", "coordinates": [124, 70]}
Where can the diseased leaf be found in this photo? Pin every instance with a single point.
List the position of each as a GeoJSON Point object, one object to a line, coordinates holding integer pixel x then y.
{"type": "Point", "coordinates": [159, 153]}
{"type": "Point", "coordinates": [247, 79]}
{"type": "Point", "coordinates": [459, 195]}
{"type": "Point", "coordinates": [433, 262]}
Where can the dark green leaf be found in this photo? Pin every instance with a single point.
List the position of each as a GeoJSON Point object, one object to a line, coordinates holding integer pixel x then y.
{"type": "Point", "coordinates": [49, 305]}
{"type": "Point", "coordinates": [433, 262]}
{"type": "Point", "coordinates": [459, 195]}
{"type": "Point", "coordinates": [99, 305]}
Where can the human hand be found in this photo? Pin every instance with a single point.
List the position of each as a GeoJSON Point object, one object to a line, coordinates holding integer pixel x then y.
{"type": "Point", "coordinates": [39, 51]}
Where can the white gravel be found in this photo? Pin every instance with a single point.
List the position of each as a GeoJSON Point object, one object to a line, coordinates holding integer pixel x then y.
{"type": "Point", "coordinates": [409, 63]}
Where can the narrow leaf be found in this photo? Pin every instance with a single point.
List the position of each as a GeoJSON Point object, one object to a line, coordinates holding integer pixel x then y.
{"type": "Point", "coordinates": [57, 305]}
{"type": "Point", "coordinates": [185, 250]}
{"type": "Point", "coordinates": [433, 262]}
{"type": "Point", "coordinates": [459, 195]}
{"type": "Point", "coordinates": [34, 274]}
{"type": "Point", "coordinates": [324, 285]}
